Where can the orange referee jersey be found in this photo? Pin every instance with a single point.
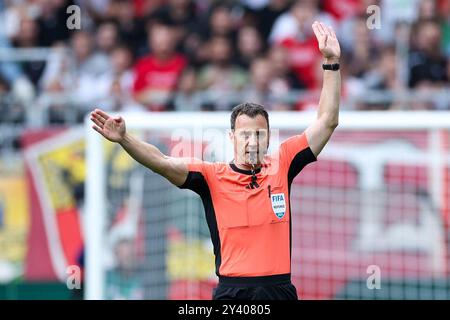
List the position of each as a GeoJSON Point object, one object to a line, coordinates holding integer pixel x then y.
{"type": "Point", "coordinates": [250, 224]}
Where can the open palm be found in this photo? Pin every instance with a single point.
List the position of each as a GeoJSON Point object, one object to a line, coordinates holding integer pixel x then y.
{"type": "Point", "coordinates": [328, 43]}
{"type": "Point", "coordinates": [112, 128]}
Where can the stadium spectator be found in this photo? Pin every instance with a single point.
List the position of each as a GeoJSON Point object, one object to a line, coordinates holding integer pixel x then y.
{"type": "Point", "coordinates": [114, 89]}
{"type": "Point", "coordinates": [130, 26]}
{"type": "Point", "coordinates": [427, 63]}
{"type": "Point", "coordinates": [4, 90]}
{"type": "Point", "coordinates": [180, 14]}
{"type": "Point", "coordinates": [221, 22]}
{"type": "Point", "coordinates": [157, 74]}
{"type": "Point", "coordinates": [249, 45]}
{"type": "Point", "coordinates": [444, 10]}
{"type": "Point", "coordinates": [265, 17]}
{"type": "Point", "coordinates": [294, 23]}
{"type": "Point", "coordinates": [187, 98]}
{"type": "Point", "coordinates": [392, 13]}
{"type": "Point", "coordinates": [9, 71]}
{"type": "Point", "coordinates": [258, 90]}
{"type": "Point", "coordinates": [107, 37]}
{"type": "Point", "coordinates": [384, 76]}
{"type": "Point", "coordinates": [428, 9]}
{"type": "Point", "coordinates": [52, 22]}
{"type": "Point", "coordinates": [123, 281]}
{"type": "Point", "coordinates": [221, 75]}
{"type": "Point", "coordinates": [363, 50]}
{"type": "Point", "coordinates": [28, 37]}
{"type": "Point", "coordinates": [292, 31]}
{"type": "Point", "coordinates": [73, 72]}
{"type": "Point", "coordinates": [183, 16]}
{"type": "Point", "coordinates": [270, 84]}
{"type": "Point", "coordinates": [283, 77]}
{"type": "Point", "coordinates": [82, 62]}
{"type": "Point", "coordinates": [344, 9]}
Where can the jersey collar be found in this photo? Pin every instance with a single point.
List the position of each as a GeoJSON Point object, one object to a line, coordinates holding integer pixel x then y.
{"type": "Point", "coordinates": [248, 172]}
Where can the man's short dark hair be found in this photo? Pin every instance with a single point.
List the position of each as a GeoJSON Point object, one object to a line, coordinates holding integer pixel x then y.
{"type": "Point", "coordinates": [250, 109]}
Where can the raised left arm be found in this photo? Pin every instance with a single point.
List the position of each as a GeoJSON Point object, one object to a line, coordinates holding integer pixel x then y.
{"type": "Point", "coordinates": [319, 132]}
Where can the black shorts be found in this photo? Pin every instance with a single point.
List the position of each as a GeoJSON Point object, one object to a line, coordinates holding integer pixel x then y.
{"type": "Point", "coordinates": [277, 287]}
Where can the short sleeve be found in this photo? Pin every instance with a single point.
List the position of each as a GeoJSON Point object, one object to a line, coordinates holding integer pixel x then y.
{"type": "Point", "coordinates": [197, 175]}
{"type": "Point", "coordinates": [295, 154]}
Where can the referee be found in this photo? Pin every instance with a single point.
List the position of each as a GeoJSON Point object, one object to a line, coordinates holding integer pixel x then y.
{"type": "Point", "coordinates": [246, 201]}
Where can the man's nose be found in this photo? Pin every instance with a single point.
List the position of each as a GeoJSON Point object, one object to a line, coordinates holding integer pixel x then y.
{"type": "Point", "coordinates": [253, 141]}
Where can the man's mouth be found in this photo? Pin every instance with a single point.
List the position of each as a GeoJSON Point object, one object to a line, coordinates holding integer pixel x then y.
{"type": "Point", "coordinates": [253, 156]}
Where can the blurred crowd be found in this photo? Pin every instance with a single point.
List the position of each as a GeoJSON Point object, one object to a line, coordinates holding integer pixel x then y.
{"type": "Point", "coordinates": [209, 55]}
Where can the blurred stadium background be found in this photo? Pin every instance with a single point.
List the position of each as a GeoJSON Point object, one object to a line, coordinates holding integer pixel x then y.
{"type": "Point", "coordinates": [378, 197]}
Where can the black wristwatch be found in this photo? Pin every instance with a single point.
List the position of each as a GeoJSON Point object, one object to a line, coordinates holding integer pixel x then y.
{"type": "Point", "coordinates": [332, 67]}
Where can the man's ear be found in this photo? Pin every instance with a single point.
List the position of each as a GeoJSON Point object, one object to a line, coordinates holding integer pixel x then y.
{"type": "Point", "coordinates": [231, 134]}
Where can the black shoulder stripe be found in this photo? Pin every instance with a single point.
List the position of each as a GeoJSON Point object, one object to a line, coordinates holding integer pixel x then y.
{"type": "Point", "coordinates": [300, 160]}
{"type": "Point", "coordinates": [192, 181]}
{"type": "Point", "coordinates": [196, 182]}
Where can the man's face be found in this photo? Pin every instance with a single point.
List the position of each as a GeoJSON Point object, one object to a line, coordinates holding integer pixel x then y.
{"type": "Point", "coordinates": [162, 41]}
{"type": "Point", "coordinates": [250, 139]}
